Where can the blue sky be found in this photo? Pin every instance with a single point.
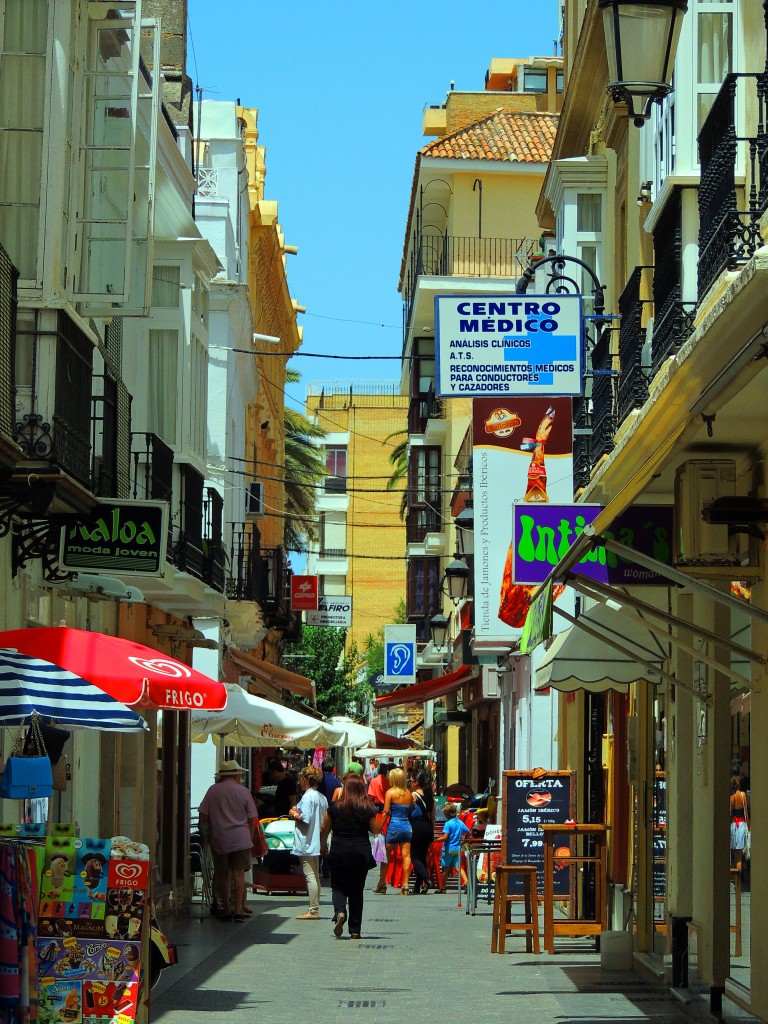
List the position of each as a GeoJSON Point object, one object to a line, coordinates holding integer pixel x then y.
{"type": "Point", "coordinates": [340, 89]}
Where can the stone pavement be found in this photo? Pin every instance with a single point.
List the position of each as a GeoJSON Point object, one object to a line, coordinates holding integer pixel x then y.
{"type": "Point", "coordinates": [420, 958]}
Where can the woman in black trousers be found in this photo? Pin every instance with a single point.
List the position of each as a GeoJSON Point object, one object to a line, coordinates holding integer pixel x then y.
{"type": "Point", "coordinates": [423, 827]}
{"type": "Point", "coordinates": [351, 818]}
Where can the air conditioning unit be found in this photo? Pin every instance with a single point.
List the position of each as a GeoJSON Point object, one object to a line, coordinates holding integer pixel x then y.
{"type": "Point", "coordinates": [697, 484]}
{"type": "Point", "coordinates": [254, 500]}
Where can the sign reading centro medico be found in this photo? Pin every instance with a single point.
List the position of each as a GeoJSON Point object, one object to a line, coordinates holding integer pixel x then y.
{"type": "Point", "coordinates": [508, 344]}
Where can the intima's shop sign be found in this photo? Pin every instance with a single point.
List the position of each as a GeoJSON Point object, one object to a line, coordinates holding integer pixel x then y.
{"type": "Point", "coordinates": [542, 534]}
{"type": "Point", "coordinates": [126, 537]}
{"type": "Point", "coordinates": [508, 344]}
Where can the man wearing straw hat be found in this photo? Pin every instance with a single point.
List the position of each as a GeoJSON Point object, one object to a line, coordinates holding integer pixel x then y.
{"type": "Point", "coordinates": [227, 816]}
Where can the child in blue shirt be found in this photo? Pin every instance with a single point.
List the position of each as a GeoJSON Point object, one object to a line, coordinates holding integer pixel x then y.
{"type": "Point", "coordinates": [453, 832]}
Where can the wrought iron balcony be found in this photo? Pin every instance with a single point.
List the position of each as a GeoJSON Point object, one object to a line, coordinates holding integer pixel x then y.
{"type": "Point", "coordinates": [332, 553]}
{"type": "Point", "coordinates": [419, 522]}
{"type": "Point", "coordinates": [335, 485]}
{"type": "Point", "coordinates": [461, 256]}
{"type": "Point", "coordinates": [152, 467]}
{"type": "Point", "coordinates": [111, 438]}
{"type": "Point", "coordinates": [188, 550]}
{"type": "Point", "coordinates": [241, 580]}
{"type": "Point", "coordinates": [9, 276]}
{"type": "Point", "coordinates": [423, 407]}
{"type": "Point", "coordinates": [633, 385]}
{"type": "Point", "coordinates": [673, 318]}
{"type": "Point", "coordinates": [582, 448]}
{"type": "Point", "coordinates": [729, 219]}
{"type": "Point", "coordinates": [214, 557]}
{"type": "Point", "coordinates": [604, 404]}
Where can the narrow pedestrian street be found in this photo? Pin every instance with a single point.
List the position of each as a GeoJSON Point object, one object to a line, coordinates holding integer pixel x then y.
{"type": "Point", "coordinates": [420, 958]}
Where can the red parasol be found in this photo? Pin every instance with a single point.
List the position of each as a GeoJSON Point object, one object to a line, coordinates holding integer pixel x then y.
{"type": "Point", "coordinates": [130, 672]}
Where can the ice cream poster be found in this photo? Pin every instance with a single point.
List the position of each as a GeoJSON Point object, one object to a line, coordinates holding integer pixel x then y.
{"type": "Point", "coordinates": [522, 453]}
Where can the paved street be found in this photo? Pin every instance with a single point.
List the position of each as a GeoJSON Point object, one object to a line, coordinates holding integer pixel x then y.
{"type": "Point", "coordinates": [420, 957]}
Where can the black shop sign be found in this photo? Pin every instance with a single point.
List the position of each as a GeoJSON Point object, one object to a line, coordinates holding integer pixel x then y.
{"type": "Point", "coordinates": [125, 537]}
{"type": "Point", "coordinates": [530, 799]}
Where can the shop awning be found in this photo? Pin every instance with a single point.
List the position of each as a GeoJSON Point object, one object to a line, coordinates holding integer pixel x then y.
{"type": "Point", "coordinates": [394, 754]}
{"type": "Point", "coordinates": [431, 689]}
{"type": "Point", "coordinates": [616, 654]}
{"type": "Point", "coordinates": [275, 676]}
{"type": "Point", "coordinates": [385, 739]}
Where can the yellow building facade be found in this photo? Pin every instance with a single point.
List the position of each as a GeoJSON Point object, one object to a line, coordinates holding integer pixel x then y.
{"type": "Point", "coordinates": [361, 537]}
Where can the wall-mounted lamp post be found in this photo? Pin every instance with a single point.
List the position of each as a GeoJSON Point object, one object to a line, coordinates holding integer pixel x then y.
{"type": "Point", "coordinates": [456, 579]}
{"type": "Point", "coordinates": [438, 627]}
{"type": "Point", "coordinates": [465, 527]}
{"type": "Point", "coordinates": [641, 39]}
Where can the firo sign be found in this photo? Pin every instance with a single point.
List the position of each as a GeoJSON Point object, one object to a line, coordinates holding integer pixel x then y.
{"type": "Point", "coordinates": [508, 344]}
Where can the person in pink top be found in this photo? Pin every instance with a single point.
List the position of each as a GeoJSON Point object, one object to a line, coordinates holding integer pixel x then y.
{"type": "Point", "coordinates": [227, 821]}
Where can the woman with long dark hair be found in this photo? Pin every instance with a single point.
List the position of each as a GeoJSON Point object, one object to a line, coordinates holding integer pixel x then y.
{"type": "Point", "coordinates": [351, 818]}
{"type": "Point", "coordinates": [423, 829]}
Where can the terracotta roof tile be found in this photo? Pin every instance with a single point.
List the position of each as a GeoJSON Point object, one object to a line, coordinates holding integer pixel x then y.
{"type": "Point", "coordinates": [524, 138]}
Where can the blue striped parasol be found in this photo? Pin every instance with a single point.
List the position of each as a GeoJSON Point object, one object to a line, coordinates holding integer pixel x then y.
{"type": "Point", "coordinates": [29, 684]}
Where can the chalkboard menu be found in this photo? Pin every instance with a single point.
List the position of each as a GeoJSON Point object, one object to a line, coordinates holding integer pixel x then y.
{"type": "Point", "coordinates": [531, 798]}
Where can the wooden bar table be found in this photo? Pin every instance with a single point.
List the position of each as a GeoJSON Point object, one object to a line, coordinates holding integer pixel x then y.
{"type": "Point", "coordinates": [575, 835]}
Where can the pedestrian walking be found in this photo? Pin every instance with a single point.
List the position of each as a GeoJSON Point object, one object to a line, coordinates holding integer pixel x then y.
{"type": "Point", "coordinates": [397, 814]}
{"type": "Point", "coordinates": [423, 829]}
{"type": "Point", "coordinates": [308, 815]}
{"type": "Point", "coordinates": [454, 831]}
{"type": "Point", "coordinates": [351, 819]}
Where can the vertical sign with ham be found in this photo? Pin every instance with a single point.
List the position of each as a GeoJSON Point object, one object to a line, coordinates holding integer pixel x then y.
{"type": "Point", "coordinates": [522, 452]}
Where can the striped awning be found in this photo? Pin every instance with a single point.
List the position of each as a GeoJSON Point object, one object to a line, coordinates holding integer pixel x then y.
{"type": "Point", "coordinates": [29, 684]}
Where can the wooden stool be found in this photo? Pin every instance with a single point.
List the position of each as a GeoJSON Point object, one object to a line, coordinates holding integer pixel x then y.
{"type": "Point", "coordinates": [502, 907]}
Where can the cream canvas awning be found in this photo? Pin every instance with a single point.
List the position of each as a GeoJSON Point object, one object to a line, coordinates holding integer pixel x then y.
{"type": "Point", "coordinates": [616, 654]}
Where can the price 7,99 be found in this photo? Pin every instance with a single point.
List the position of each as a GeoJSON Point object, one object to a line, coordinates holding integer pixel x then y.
{"type": "Point", "coordinates": [532, 842]}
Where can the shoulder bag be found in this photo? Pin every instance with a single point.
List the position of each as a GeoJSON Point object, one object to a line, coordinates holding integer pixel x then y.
{"type": "Point", "coordinates": [27, 777]}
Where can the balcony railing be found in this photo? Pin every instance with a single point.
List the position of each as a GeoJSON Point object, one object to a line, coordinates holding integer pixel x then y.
{"type": "Point", "coordinates": [459, 256]}
{"type": "Point", "coordinates": [729, 227]}
{"type": "Point", "coordinates": [335, 485]}
{"type": "Point", "coordinates": [241, 582]}
{"type": "Point", "coordinates": [214, 558]}
{"type": "Point", "coordinates": [9, 275]}
{"type": "Point", "coordinates": [111, 438]}
{"type": "Point", "coordinates": [419, 522]}
{"type": "Point", "coordinates": [582, 448]}
{"type": "Point", "coordinates": [332, 553]}
{"type": "Point", "coordinates": [604, 405]}
{"type": "Point", "coordinates": [423, 407]}
{"type": "Point", "coordinates": [673, 318]}
{"type": "Point", "coordinates": [152, 467]}
{"type": "Point", "coordinates": [188, 551]}
{"type": "Point", "coordinates": [72, 404]}
{"type": "Point", "coordinates": [633, 386]}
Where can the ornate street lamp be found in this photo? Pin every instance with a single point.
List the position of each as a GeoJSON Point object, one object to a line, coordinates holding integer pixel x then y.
{"type": "Point", "coordinates": [465, 526]}
{"type": "Point", "coordinates": [456, 577]}
{"type": "Point", "coordinates": [641, 41]}
{"type": "Point", "coordinates": [438, 627]}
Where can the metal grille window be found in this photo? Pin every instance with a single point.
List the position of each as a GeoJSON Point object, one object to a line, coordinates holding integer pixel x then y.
{"type": "Point", "coordinates": [23, 53]}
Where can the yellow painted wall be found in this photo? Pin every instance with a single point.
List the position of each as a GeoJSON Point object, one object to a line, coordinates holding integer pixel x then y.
{"type": "Point", "coordinates": [375, 531]}
{"type": "Point", "coordinates": [274, 314]}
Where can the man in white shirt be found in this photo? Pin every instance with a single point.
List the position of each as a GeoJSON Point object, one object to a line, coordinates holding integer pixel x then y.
{"type": "Point", "coordinates": [308, 815]}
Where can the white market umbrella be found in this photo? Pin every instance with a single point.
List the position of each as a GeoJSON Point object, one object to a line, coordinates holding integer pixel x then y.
{"type": "Point", "coordinates": [355, 734]}
{"type": "Point", "coordinates": [249, 721]}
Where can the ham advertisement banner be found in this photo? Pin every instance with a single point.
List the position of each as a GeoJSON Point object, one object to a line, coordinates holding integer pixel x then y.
{"type": "Point", "coordinates": [522, 454]}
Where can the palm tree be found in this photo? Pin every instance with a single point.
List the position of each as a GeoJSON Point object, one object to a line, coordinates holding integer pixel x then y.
{"type": "Point", "coordinates": [398, 458]}
{"type": "Point", "coordinates": [304, 469]}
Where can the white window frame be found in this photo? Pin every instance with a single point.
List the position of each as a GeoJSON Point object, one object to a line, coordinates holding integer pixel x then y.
{"type": "Point", "coordinates": [134, 231]}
